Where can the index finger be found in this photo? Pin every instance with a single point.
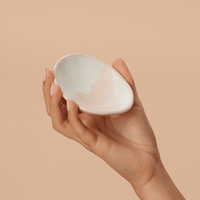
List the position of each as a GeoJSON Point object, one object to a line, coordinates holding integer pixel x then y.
{"type": "Point", "coordinates": [48, 79]}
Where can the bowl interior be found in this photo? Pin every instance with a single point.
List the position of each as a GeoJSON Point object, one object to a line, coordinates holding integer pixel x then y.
{"type": "Point", "coordinates": [77, 74]}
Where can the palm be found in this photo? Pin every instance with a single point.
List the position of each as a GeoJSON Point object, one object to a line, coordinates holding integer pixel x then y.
{"type": "Point", "coordinates": [127, 138]}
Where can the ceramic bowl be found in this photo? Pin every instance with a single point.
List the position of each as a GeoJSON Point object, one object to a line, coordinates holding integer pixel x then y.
{"type": "Point", "coordinates": [95, 86]}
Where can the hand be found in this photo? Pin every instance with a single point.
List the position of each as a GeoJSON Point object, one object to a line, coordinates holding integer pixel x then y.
{"type": "Point", "coordinates": [125, 141]}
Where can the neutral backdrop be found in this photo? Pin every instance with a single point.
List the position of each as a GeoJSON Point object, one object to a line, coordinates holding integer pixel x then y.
{"type": "Point", "coordinates": [159, 41]}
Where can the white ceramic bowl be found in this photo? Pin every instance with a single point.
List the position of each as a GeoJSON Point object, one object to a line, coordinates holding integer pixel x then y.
{"type": "Point", "coordinates": [95, 86]}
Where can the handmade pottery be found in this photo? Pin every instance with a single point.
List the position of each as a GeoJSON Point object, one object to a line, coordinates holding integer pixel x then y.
{"type": "Point", "coordinates": [95, 86]}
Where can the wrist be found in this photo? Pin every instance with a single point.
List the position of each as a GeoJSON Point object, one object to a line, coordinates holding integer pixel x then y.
{"type": "Point", "coordinates": [160, 186]}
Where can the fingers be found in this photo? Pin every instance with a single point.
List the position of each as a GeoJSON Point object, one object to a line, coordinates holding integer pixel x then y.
{"type": "Point", "coordinates": [57, 109]}
{"type": "Point", "coordinates": [87, 136]}
{"type": "Point", "coordinates": [48, 79]}
{"type": "Point", "coordinates": [58, 113]}
{"type": "Point", "coordinates": [67, 122]}
{"type": "Point", "coordinates": [122, 68]}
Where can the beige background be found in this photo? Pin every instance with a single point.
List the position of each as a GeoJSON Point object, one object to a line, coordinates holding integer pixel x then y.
{"type": "Point", "coordinates": [159, 41]}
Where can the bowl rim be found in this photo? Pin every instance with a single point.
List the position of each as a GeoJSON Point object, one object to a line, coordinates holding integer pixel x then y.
{"type": "Point", "coordinates": [77, 54]}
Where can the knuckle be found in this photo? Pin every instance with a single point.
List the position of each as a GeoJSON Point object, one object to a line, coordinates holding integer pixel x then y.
{"type": "Point", "coordinates": [48, 110]}
{"type": "Point", "coordinates": [48, 113]}
{"type": "Point", "coordinates": [55, 125]}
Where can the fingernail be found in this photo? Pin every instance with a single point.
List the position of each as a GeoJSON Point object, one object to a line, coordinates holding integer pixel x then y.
{"type": "Point", "coordinates": [44, 75]}
{"type": "Point", "coordinates": [52, 89]}
{"type": "Point", "coordinates": [68, 105]}
{"type": "Point", "coordinates": [113, 115]}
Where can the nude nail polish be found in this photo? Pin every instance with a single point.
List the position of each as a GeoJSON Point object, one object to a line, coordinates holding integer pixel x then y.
{"type": "Point", "coordinates": [68, 105]}
{"type": "Point", "coordinates": [52, 89]}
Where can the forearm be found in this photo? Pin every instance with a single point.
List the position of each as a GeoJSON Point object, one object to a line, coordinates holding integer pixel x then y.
{"type": "Point", "coordinates": [160, 187]}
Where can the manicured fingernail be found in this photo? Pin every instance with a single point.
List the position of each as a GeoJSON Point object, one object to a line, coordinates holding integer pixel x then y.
{"type": "Point", "coordinates": [68, 105]}
{"type": "Point", "coordinates": [114, 115]}
{"type": "Point", "coordinates": [44, 75]}
{"type": "Point", "coordinates": [52, 89]}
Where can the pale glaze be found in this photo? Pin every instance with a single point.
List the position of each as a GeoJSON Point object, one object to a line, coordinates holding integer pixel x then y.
{"type": "Point", "coordinates": [95, 86]}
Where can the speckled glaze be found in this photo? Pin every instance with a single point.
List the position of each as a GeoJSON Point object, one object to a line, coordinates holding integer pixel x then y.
{"type": "Point", "coordinates": [95, 86]}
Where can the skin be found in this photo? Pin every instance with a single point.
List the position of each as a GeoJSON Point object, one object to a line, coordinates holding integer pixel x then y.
{"type": "Point", "coordinates": [126, 142]}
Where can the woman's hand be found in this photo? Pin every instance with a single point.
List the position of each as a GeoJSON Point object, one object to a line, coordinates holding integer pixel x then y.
{"type": "Point", "coordinates": [126, 141]}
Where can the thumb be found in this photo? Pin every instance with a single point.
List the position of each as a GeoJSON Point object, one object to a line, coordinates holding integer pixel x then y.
{"type": "Point", "coordinates": [120, 66]}
{"type": "Point", "coordinates": [87, 136]}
